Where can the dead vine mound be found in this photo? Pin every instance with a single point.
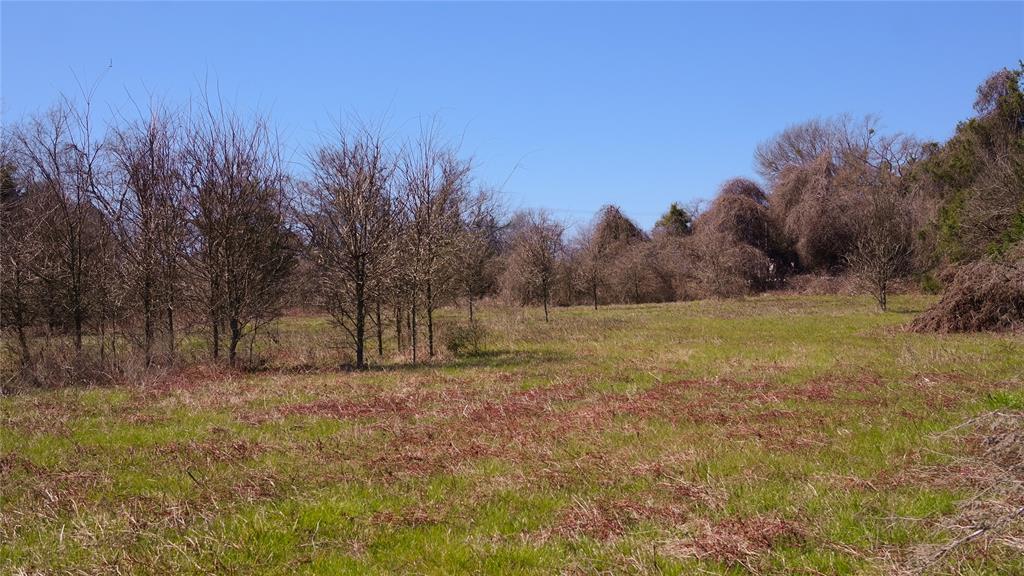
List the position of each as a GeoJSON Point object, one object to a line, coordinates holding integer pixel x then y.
{"type": "Point", "coordinates": [983, 295]}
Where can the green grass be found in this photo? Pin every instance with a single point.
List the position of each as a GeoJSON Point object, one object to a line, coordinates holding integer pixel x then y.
{"type": "Point", "coordinates": [777, 434]}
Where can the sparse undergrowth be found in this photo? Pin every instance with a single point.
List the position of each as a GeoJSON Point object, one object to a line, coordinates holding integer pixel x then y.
{"type": "Point", "coordinates": [778, 434]}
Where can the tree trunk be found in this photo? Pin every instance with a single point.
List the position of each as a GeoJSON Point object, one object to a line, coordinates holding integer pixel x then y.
{"type": "Point", "coordinates": [360, 324]}
{"type": "Point", "coordinates": [412, 328]}
{"type": "Point", "coordinates": [594, 289]}
{"type": "Point", "coordinates": [470, 309]}
{"type": "Point", "coordinates": [103, 340]}
{"type": "Point", "coordinates": [215, 317]}
{"type": "Point", "coordinates": [26, 355]}
{"type": "Point", "coordinates": [78, 328]}
{"type": "Point", "coordinates": [215, 339]}
{"type": "Point", "coordinates": [545, 291]}
{"type": "Point", "coordinates": [380, 333]}
{"type": "Point", "coordinates": [147, 320]}
{"type": "Point", "coordinates": [430, 321]}
{"type": "Point", "coordinates": [236, 335]}
{"type": "Point", "coordinates": [170, 332]}
{"type": "Point", "coordinates": [398, 328]}
{"type": "Point", "coordinates": [252, 340]}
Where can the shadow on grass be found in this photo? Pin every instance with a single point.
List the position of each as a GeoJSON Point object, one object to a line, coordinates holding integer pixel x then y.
{"type": "Point", "coordinates": [907, 309]}
{"type": "Point", "coordinates": [496, 359]}
{"type": "Point", "coordinates": [509, 358]}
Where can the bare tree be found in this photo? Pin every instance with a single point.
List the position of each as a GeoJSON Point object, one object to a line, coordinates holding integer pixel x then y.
{"type": "Point", "coordinates": [350, 217]}
{"type": "Point", "coordinates": [589, 265]}
{"type": "Point", "coordinates": [884, 249]}
{"type": "Point", "coordinates": [600, 248]}
{"type": "Point", "coordinates": [436, 183]}
{"type": "Point", "coordinates": [817, 216]}
{"type": "Point", "coordinates": [22, 248]}
{"type": "Point", "coordinates": [802, 144]}
{"type": "Point", "coordinates": [145, 204]}
{"type": "Point", "coordinates": [995, 89]}
{"type": "Point", "coordinates": [733, 241]}
{"type": "Point", "coordinates": [243, 251]}
{"type": "Point", "coordinates": [818, 172]}
{"type": "Point", "coordinates": [533, 260]}
{"type": "Point", "coordinates": [480, 246]}
{"type": "Point", "coordinates": [61, 157]}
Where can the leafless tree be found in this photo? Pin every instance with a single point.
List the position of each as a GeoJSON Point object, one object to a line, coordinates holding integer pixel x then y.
{"type": "Point", "coordinates": [884, 249]}
{"type": "Point", "coordinates": [61, 157]}
{"type": "Point", "coordinates": [734, 241]}
{"type": "Point", "coordinates": [350, 214]}
{"type": "Point", "coordinates": [598, 255]}
{"type": "Point", "coordinates": [589, 265]}
{"type": "Point", "coordinates": [242, 251]}
{"type": "Point", "coordinates": [722, 267]}
{"type": "Point", "coordinates": [533, 260]}
{"type": "Point", "coordinates": [633, 274]}
{"type": "Point", "coordinates": [145, 204]}
{"type": "Point", "coordinates": [994, 89]}
{"type": "Point", "coordinates": [740, 211]}
{"type": "Point", "coordinates": [436, 184]}
{"type": "Point", "coordinates": [818, 170]}
{"type": "Point", "coordinates": [804, 143]}
{"type": "Point", "coordinates": [480, 246]}
{"type": "Point", "coordinates": [20, 223]}
{"type": "Point", "coordinates": [815, 214]}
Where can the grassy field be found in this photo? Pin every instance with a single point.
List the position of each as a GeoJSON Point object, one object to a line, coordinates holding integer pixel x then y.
{"type": "Point", "coordinates": [778, 434]}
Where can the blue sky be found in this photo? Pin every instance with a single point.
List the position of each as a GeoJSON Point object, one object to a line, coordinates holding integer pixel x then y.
{"type": "Point", "coordinates": [570, 105]}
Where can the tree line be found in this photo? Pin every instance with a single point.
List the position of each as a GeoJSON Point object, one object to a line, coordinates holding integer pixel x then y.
{"type": "Point", "coordinates": [189, 226]}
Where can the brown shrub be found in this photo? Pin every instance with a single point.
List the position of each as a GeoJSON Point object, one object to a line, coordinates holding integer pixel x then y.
{"type": "Point", "coordinates": [983, 295]}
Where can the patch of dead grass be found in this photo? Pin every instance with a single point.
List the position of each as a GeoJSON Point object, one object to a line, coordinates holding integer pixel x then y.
{"type": "Point", "coordinates": [989, 524]}
{"type": "Point", "coordinates": [738, 541]}
{"type": "Point", "coordinates": [607, 519]}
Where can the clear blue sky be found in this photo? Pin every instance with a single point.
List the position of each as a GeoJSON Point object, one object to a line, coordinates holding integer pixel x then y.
{"type": "Point", "coordinates": [582, 104]}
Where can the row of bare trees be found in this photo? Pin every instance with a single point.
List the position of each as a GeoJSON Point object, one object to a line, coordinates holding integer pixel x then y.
{"type": "Point", "coordinates": [110, 237]}
{"type": "Point", "coordinates": [393, 234]}
{"type": "Point", "coordinates": [182, 229]}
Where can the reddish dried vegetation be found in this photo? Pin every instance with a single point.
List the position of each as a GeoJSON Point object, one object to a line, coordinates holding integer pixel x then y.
{"type": "Point", "coordinates": [737, 541]}
{"type": "Point", "coordinates": [192, 377]}
{"type": "Point", "coordinates": [607, 519]}
{"type": "Point", "coordinates": [342, 409]}
{"type": "Point", "coordinates": [212, 450]}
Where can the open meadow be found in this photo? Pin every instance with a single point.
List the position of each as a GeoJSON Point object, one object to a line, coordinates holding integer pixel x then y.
{"type": "Point", "coordinates": [776, 434]}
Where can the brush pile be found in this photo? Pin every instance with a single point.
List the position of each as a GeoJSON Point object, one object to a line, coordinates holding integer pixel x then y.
{"type": "Point", "coordinates": [981, 296]}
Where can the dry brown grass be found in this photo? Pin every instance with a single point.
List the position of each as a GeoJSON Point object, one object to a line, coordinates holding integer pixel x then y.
{"type": "Point", "coordinates": [738, 541]}
{"type": "Point", "coordinates": [990, 523]}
